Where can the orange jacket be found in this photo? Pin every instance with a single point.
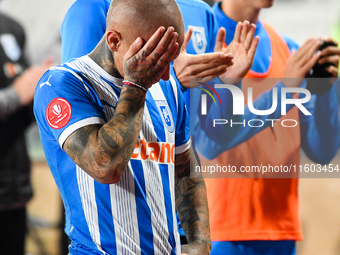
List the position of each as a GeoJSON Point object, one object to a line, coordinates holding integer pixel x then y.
{"type": "Point", "coordinates": [259, 208]}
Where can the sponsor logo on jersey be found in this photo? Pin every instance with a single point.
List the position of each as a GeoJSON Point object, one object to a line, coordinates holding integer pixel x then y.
{"type": "Point", "coordinates": [164, 111]}
{"type": "Point", "coordinates": [58, 113]}
{"type": "Point", "coordinates": [159, 152]}
{"type": "Point", "coordinates": [46, 82]}
{"type": "Point", "coordinates": [199, 40]}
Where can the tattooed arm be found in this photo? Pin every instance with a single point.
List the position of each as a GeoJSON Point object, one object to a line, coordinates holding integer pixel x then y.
{"type": "Point", "coordinates": [104, 151]}
{"type": "Point", "coordinates": [192, 205]}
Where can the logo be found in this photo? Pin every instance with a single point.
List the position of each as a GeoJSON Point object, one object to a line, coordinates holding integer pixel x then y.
{"type": "Point", "coordinates": [204, 98]}
{"type": "Point", "coordinates": [238, 105]}
{"type": "Point", "coordinates": [57, 110]}
{"type": "Point", "coordinates": [47, 82]}
{"type": "Point", "coordinates": [165, 112]}
{"type": "Point", "coordinates": [58, 113]}
{"type": "Point", "coordinates": [159, 152]}
{"type": "Point", "coordinates": [199, 40]}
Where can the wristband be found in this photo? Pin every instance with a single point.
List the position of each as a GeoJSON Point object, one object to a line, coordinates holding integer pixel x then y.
{"type": "Point", "coordinates": [130, 83]}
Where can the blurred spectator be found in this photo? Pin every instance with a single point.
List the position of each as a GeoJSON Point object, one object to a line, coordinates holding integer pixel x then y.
{"type": "Point", "coordinates": [16, 94]}
{"type": "Point", "coordinates": [21, 93]}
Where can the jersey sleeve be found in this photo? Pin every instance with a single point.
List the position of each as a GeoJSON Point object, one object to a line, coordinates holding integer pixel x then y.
{"type": "Point", "coordinates": [320, 137]}
{"type": "Point", "coordinates": [182, 135]}
{"type": "Point", "coordinates": [213, 29]}
{"type": "Point", "coordinates": [82, 28]}
{"type": "Point", "coordinates": [63, 104]}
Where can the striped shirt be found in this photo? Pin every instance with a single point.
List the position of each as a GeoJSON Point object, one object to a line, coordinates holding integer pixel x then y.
{"type": "Point", "coordinates": [137, 214]}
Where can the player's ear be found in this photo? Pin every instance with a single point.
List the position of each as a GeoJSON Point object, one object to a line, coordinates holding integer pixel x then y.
{"type": "Point", "coordinates": [113, 39]}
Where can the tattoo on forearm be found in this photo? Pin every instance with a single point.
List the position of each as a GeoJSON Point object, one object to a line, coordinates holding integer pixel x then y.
{"type": "Point", "coordinates": [191, 202]}
{"type": "Point", "coordinates": [104, 150]}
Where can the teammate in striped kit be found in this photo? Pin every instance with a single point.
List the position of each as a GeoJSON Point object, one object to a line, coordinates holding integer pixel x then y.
{"type": "Point", "coordinates": [127, 151]}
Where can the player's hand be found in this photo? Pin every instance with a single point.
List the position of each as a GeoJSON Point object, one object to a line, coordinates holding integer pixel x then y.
{"type": "Point", "coordinates": [301, 61]}
{"type": "Point", "coordinates": [243, 47]}
{"type": "Point", "coordinates": [146, 65]}
{"type": "Point", "coordinates": [331, 55]}
{"type": "Point", "coordinates": [25, 84]}
{"type": "Point", "coordinates": [205, 66]}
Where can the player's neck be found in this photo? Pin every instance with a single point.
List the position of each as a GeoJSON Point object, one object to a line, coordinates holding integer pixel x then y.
{"type": "Point", "coordinates": [238, 11]}
{"type": "Point", "coordinates": [103, 57]}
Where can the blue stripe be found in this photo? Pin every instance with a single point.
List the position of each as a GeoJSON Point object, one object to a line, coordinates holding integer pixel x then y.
{"type": "Point", "coordinates": [173, 252]}
{"type": "Point", "coordinates": [125, 216]}
{"type": "Point", "coordinates": [143, 210]}
{"type": "Point", "coordinates": [105, 220]}
{"type": "Point", "coordinates": [164, 169]}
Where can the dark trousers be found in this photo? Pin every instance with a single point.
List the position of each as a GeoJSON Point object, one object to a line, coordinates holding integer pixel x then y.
{"type": "Point", "coordinates": [13, 231]}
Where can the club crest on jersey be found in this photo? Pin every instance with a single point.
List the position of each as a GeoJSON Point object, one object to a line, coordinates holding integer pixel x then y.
{"type": "Point", "coordinates": [199, 40]}
{"type": "Point", "coordinates": [164, 111]}
{"type": "Point", "coordinates": [58, 113]}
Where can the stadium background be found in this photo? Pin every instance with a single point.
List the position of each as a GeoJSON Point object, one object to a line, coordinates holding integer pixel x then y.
{"type": "Point", "coordinates": [298, 19]}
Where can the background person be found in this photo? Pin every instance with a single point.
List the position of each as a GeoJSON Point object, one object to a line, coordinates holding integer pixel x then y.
{"type": "Point", "coordinates": [21, 93]}
{"type": "Point", "coordinates": [16, 94]}
{"type": "Point", "coordinates": [260, 215]}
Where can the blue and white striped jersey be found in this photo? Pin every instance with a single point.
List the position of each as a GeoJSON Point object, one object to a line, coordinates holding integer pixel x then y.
{"type": "Point", "coordinates": [77, 28]}
{"type": "Point", "coordinates": [137, 214]}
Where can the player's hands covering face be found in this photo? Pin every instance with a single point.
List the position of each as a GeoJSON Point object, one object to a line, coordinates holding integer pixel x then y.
{"type": "Point", "coordinates": [146, 65]}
